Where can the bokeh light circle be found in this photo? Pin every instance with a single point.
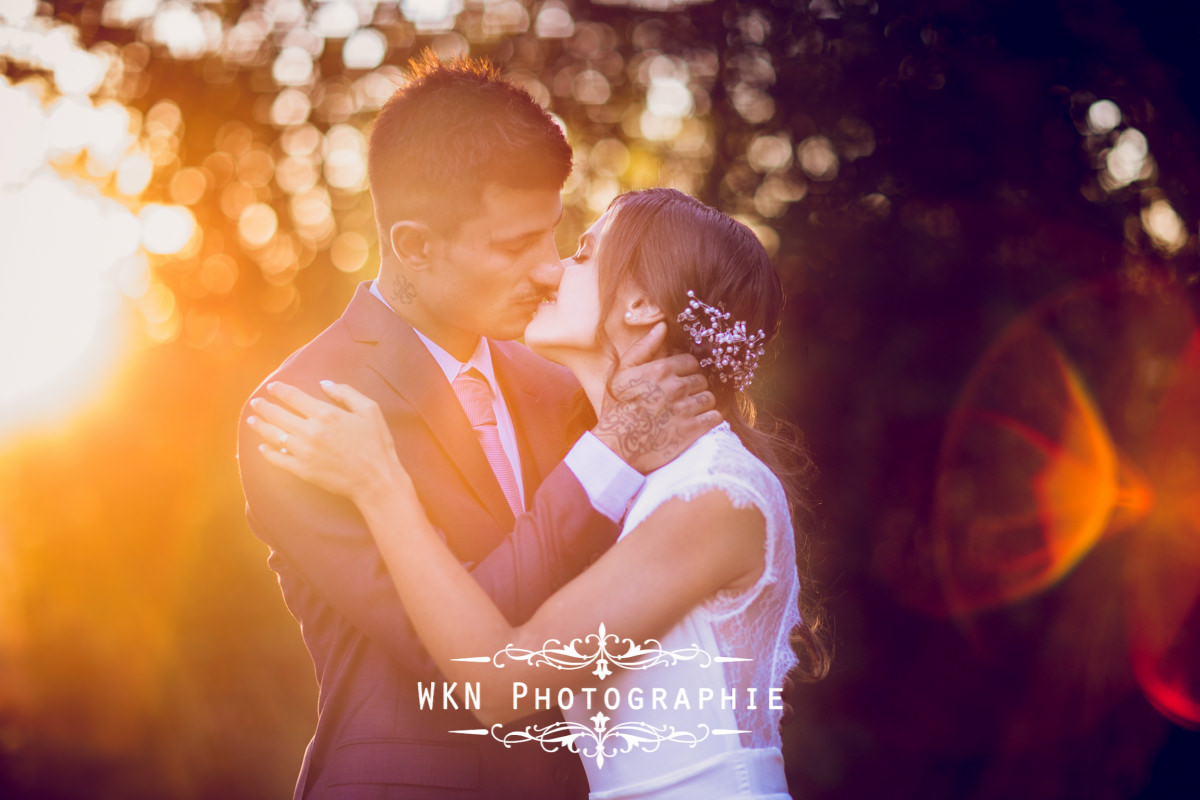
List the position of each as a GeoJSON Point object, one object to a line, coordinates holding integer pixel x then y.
{"type": "Point", "coordinates": [257, 224]}
{"type": "Point", "coordinates": [365, 49]}
{"type": "Point", "coordinates": [166, 229]}
{"type": "Point", "coordinates": [349, 251]}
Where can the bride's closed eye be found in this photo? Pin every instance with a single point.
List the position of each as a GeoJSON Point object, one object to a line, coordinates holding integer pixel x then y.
{"type": "Point", "coordinates": [583, 253]}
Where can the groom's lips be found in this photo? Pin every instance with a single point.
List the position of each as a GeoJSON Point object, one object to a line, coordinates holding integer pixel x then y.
{"type": "Point", "coordinates": [541, 300]}
{"type": "Point", "coordinates": [529, 306]}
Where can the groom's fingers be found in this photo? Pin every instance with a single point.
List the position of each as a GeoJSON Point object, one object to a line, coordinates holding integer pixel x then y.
{"type": "Point", "coordinates": [695, 427]}
{"type": "Point", "coordinates": [696, 404]}
{"type": "Point", "coordinates": [643, 349]}
{"type": "Point", "coordinates": [692, 426]}
{"type": "Point", "coordinates": [677, 376]}
{"type": "Point", "coordinates": [682, 388]}
{"type": "Point", "coordinates": [681, 364]}
{"type": "Point", "coordinates": [691, 385]}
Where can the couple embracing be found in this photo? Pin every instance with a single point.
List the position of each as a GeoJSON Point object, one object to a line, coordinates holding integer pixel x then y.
{"type": "Point", "coordinates": [433, 492]}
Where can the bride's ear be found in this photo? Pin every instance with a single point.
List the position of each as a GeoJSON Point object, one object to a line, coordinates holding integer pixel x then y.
{"type": "Point", "coordinates": [412, 243]}
{"type": "Point", "coordinates": [640, 311]}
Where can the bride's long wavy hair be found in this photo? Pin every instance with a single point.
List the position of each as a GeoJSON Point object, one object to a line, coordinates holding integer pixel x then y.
{"type": "Point", "coordinates": [666, 243]}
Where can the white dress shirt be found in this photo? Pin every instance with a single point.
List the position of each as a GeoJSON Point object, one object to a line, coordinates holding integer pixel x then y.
{"type": "Point", "coordinates": [609, 482]}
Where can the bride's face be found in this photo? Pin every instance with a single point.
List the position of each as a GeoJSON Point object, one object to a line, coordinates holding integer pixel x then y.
{"type": "Point", "coordinates": [568, 321]}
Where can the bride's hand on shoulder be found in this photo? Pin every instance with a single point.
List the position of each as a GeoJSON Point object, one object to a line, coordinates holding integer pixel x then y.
{"type": "Point", "coordinates": [343, 446]}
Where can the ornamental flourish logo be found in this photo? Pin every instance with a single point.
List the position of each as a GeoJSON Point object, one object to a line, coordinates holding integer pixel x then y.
{"type": "Point", "coordinates": [600, 743]}
{"type": "Point", "coordinates": [636, 656]}
{"type": "Point", "coordinates": [604, 654]}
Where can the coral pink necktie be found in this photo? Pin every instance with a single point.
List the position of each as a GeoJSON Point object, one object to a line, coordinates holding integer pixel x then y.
{"type": "Point", "coordinates": [475, 395]}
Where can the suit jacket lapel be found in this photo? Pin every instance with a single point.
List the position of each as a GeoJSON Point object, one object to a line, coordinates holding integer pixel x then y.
{"type": "Point", "coordinates": [404, 362]}
{"type": "Point", "coordinates": [541, 449]}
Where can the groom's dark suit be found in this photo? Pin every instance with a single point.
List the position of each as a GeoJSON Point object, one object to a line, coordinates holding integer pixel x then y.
{"type": "Point", "coordinates": [372, 741]}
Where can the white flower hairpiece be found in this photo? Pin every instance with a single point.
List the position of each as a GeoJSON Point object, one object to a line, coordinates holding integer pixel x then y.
{"type": "Point", "coordinates": [733, 355]}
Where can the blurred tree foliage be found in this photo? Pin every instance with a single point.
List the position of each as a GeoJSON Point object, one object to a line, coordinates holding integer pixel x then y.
{"type": "Point", "coordinates": [923, 170]}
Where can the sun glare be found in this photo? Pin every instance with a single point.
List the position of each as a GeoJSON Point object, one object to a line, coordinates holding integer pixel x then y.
{"type": "Point", "coordinates": [58, 306]}
{"type": "Point", "coordinates": [67, 247]}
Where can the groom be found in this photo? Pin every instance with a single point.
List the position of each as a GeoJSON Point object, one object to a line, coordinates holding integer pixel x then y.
{"type": "Point", "coordinates": [465, 174]}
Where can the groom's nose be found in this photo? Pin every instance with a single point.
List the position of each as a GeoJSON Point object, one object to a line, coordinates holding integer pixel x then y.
{"type": "Point", "coordinates": [548, 271]}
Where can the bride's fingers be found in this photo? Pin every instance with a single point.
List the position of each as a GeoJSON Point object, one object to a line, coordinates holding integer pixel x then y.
{"type": "Point", "coordinates": [349, 397]}
{"type": "Point", "coordinates": [297, 400]}
{"type": "Point", "coordinates": [271, 434]}
{"type": "Point", "coordinates": [283, 460]}
{"type": "Point", "coordinates": [277, 415]}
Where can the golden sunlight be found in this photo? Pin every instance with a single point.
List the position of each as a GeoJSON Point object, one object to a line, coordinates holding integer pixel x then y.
{"type": "Point", "coordinates": [56, 295]}
{"type": "Point", "coordinates": [66, 248]}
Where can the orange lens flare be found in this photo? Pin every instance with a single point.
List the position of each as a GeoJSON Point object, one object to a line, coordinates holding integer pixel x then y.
{"type": "Point", "coordinates": [1081, 423]}
{"type": "Point", "coordinates": [1080, 487]}
{"type": "Point", "coordinates": [1031, 480]}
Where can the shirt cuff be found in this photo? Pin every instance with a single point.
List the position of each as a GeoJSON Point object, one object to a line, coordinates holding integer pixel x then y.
{"type": "Point", "coordinates": [609, 482]}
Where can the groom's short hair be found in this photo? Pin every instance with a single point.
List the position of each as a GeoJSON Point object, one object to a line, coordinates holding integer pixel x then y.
{"type": "Point", "coordinates": [453, 128]}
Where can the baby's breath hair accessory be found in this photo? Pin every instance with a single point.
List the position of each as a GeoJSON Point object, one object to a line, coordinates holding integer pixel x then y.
{"type": "Point", "coordinates": [733, 355]}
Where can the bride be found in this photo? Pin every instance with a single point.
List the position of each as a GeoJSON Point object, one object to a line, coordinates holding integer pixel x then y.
{"type": "Point", "coordinates": [705, 564]}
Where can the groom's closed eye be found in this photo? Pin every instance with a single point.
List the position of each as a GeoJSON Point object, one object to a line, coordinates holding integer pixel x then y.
{"type": "Point", "coordinates": [522, 242]}
{"type": "Point", "coordinates": [516, 247]}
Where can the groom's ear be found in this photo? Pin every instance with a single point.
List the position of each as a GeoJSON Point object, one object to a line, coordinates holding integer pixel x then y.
{"type": "Point", "coordinates": [412, 243]}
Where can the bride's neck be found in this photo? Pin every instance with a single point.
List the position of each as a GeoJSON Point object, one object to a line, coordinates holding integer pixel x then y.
{"type": "Point", "coordinates": [591, 370]}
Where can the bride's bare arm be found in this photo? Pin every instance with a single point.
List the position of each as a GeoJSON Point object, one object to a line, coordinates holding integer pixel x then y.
{"type": "Point", "coordinates": [679, 556]}
{"type": "Point", "coordinates": [641, 587]}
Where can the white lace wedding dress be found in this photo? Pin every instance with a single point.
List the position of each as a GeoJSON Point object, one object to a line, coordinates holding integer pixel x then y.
{"type": "Point", "coordinates": [723, 749]}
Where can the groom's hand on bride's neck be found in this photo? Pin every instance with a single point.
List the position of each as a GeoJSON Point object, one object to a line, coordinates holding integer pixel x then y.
{"type": "Point", "coordinates": [656, 407]}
